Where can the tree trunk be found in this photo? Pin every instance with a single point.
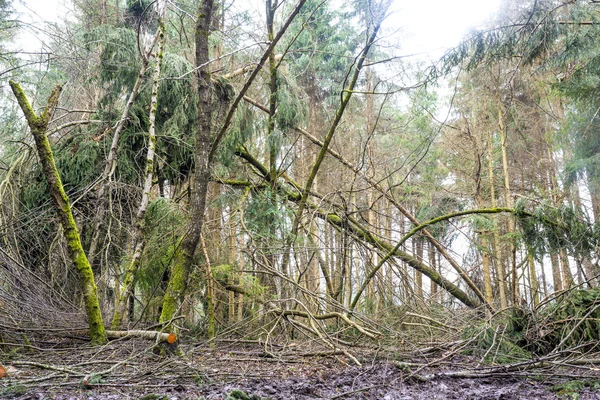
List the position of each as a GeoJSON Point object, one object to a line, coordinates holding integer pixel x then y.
{"type": "Point", "coordinates": [183, 259]}
{"type": "Point", "coordinates": [111, 159]}
{"type": "Point", "coordinates": [500, 271]}
{"type": "Point", "coordinates": [39, 126]}
{"type": "Point", "coordinates": [508, 203]}
{"type": "Point", "coordinates": [533, 282]}
{"type": "Point", "coordinates": [137, 243]}
{"type": "Point", "coordinates": [556, 274]}
{"type": "Point", "coordinates": [418, 274]}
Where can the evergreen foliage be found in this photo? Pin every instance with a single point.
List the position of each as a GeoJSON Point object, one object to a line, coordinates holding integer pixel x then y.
{"type": "Point", "coordinates": [119, 59]}
{"type": "Point", "coordinates": [549, 229]}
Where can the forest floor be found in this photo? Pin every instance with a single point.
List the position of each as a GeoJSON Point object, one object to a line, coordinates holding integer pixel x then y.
{"type": "Point", "coordinates": [238, 370]}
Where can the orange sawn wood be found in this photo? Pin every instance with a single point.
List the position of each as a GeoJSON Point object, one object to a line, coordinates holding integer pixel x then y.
{"type": "Point", "coordinates": [152, 335]}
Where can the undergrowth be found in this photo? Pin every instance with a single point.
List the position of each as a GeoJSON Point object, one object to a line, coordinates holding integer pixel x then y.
{"type": "Point", "coordinates": [570, 321]}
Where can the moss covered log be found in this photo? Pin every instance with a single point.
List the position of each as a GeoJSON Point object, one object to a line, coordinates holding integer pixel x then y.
{"type": "Point", "coordinates": [38, 126]}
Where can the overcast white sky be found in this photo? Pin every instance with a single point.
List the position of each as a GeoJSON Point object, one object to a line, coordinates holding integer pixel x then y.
{"type": "Point", "coordinates": [433, 25]}
{"type": "Point", "coordinates": [426, 25]}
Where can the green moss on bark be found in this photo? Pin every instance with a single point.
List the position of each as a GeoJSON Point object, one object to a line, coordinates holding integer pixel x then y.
{"type": "Point", "coordinates": [39, 126]}
{"type": "Point", "coordinates": [176, 287]}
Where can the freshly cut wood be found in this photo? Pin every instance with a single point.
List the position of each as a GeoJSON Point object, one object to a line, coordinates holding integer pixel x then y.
{"type": "Point", "coordinates": [151, 335]}
{"type": "Point", "coordinates": [2, 372]}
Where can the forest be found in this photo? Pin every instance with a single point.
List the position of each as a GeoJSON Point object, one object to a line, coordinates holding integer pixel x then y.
{"type": "Point", "coordinates": [269, 199]}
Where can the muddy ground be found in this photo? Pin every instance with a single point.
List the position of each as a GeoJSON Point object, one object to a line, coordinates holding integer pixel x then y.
{"type": "Point", "coordinates": [234, 371]}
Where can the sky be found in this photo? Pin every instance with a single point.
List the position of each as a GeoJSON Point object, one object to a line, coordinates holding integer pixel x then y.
{"type": "Point", "coordinates": [431, 26]}
{"type": "Point", "coordinates": [425, 26]}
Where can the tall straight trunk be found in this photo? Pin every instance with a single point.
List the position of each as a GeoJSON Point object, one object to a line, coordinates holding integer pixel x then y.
{"type": "Point", "coordinates": [556, 274]}
{"type": "Point", "coordinates": [511, 257]}
{"type": "Point", "coordinates": [418, 274]}
{"type": "Point", "coordinates": [533, 282]}
{"type": "Point", "coordinates": [567, 275]}
{"type": "Point", "coordinates": [588, 267]}
{"type": "Point", "coordinates": [389, 274]}
{"type": "Point", "coordinates": [183, 259]}
{"type": "Point", "coordinates": [432, 262]}
{"type": "Point", "coordinates": [487, 276]}
{"type": "Point", "coordinates": [372, 259]}
{"type": "Point", "coordinates": [485, 255]}
{"type": "Point", "coordinates": [500, 271]}
{"type": "Point", "coordinates": [594, 189]}
{"type": "Point", "coordinates": [138, 242]}
{"type": "Point", "coordinates": [273, 149]}
{"type": "Point", "coordinates": [240, 303]}
{"type": "Point", "coordinates": [349, 274]}
{"type": "Point", "coordinates": [544, 290]}
{"type": "Point", "coordinates": [39, 126]}
{"type": "Point", "coordinates": [210, 294]}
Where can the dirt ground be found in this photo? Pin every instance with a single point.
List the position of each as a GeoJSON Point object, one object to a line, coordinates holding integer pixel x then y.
{"type": "Point", "coordinates": [131, 370]}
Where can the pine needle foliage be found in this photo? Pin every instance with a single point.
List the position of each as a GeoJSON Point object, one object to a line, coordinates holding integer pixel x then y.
{"type": "Point", "coordinates": [550, 229]}
{"type": "Point", "coordinates": [119, 60]}
{"type": "Point", "coordinates": [494, 343]}
{"type": "Point", "coordinates": [571, 321]}
{"type": "Point", "coordinates": [243, 128]}
{"type": "Point", "coordinates": [530, 32]}
{"type": "Point", "coordinates": [266, 215]}
{"type": "Point", "coordinates": [291, 110]}
{"type": "Point", "coordinates": [176, 118]}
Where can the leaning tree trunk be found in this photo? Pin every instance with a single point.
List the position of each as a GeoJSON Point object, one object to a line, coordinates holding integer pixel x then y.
{"type": "Point", "coordinates": [111, 159]}
{"type": "Point", "coordinates": [138, 242]}
{"type": "Point", "coordinates": [39, 126]}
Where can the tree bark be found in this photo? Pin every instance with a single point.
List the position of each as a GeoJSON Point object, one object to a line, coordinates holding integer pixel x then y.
{"type": "Point", "coordinates": [500, 271]}
{"type": "Point", "coordinates": [138, 242]}
{"type": "Point", "coordinates": [508, 203]}
{"type": "Point", "coordinates": [39, 126]}
{"type": "Point", "coordinates": [205, 151]}
{"type": "Point", "coordinates": [111, 159]}
{"type": "Point", "coordinates": [183, 258]}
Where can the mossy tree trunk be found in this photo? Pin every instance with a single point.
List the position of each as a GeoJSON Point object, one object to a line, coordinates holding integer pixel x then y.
{"type": "Point", "coordinates": [39, 126]}
{"type": "Point", "coordinates": [182, 263]}
{"type": "Point", "coordinates": [205, 151]}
